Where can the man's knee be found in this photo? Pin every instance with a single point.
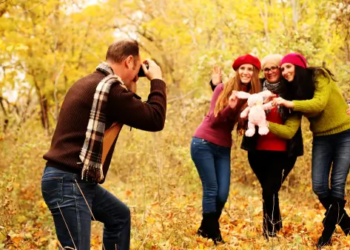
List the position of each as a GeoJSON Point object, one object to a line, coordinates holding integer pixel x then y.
{"type": "Point", "coordinates": [120, 219]}
{"type": "Point", "coordinates": [127, 213]}
{"type": "Point", "coordinates": [124, 214]}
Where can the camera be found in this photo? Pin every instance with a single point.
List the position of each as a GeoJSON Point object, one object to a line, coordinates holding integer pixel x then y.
{"type": "Point", "coordinates": [141, 72]}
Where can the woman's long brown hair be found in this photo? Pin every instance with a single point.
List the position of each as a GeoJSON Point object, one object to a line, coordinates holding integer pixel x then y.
{"type": "Point", "coordinates": [235, 83]}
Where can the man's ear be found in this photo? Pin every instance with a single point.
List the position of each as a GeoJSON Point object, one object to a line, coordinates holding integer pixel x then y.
{"type": "Point", "coordinates": [129, 62]}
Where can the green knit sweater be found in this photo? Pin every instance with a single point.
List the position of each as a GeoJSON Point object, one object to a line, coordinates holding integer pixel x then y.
{"type": "Point", "coordinates": [288, 129]}
{"type": "Point", "coordinates": [329, 106]}
{"type": "Point", "coordinates": [326, 111]}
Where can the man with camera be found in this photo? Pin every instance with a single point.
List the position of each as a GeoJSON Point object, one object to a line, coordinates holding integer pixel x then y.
{"type": "Point", "coordinates": [95, 107]}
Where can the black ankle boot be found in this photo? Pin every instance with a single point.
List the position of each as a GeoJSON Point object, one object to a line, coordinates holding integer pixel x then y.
{"type": "Point", "coordinates": [211, 227]}
{"type": "Point", "coordinates": [344, 222]}
{"type": "Point", "coordinates": [109, 246]}
{"type": "Point", "coordinates": [272, 221]}
{"type": "Point", "coordinates": [326, 202]}
{"type": "Point", "coordinates": [202, 230]}
{"type": "Point", "coordinates": [333, 216]}
{"type": "Point", "coordinates": [219, 208]}
{"type": "Point", "coordinates": [268, 229]}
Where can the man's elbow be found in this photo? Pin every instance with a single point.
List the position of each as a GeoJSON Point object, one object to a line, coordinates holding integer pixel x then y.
{"type": "Point", "coordinates": [158, 125]}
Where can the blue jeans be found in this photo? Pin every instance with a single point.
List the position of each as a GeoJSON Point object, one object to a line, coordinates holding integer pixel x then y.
{"type": "Point", "coordinates": [328, 150]}
{"type": "Point", "coordinates": [213, 165]}
{"type": "Point", "coordinates": [72, 216]}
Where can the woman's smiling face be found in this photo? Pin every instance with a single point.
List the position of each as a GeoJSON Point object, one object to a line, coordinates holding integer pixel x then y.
{"type": "Point", "coordinates": [245, 72]}
{"type": "Point", "coordinates": [288, 71]}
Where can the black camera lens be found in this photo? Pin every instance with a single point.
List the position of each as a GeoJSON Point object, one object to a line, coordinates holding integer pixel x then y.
{"type": "Point", "coordinates": [141, 72]}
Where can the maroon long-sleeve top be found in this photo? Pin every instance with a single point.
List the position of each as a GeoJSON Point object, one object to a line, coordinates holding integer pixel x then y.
{"type": "Point", "coordinates": [218, 129]}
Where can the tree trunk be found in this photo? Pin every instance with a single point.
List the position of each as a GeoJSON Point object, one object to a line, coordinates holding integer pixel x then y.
{"type": "Point", "coordinates": [264, 16]}
{"type": "Point", "coordinates": [43, 107]}
{"type": "Point", "coordinates": [295, 7]}
{"type": "Point", "coordinates": [44, 114]}
{"type": "Point", "coordinates": [6, 120]}
{"type": "Point", "coordinates": [347, 51]}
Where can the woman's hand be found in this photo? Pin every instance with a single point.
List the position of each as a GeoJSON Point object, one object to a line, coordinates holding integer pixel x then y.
{"type": "Point", "coordinates": [233, 99]}
{"type": "Point", "coordinates": [348, 111]}
{"type": "Point", "coordinates": [279, 101]}
{"type": "Point", "coordinates": [269, 99]}
{"type": "Point", "coordinates": [216, 75]}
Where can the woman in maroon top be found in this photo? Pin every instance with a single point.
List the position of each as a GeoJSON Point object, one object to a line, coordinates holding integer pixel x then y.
{"type": "Point", "coordinates": [211, 143]}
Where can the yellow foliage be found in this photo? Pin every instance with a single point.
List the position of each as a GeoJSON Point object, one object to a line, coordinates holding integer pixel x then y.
{"type": "Point", "coordinates": [46, 47]}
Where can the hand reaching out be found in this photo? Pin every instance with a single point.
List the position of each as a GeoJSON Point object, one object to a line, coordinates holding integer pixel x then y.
{"type": "Point", "coordinates": [279, 101]}
{"type": "Point", "coordinates": [216, 75]}
{"type": "Point", "coordinates": [233, 99]}
{"type": "Point", "coordinates": [269, 99]}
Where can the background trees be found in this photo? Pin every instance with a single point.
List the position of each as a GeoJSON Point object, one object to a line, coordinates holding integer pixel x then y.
{"type": "Point", "coordinates": [46, 45]}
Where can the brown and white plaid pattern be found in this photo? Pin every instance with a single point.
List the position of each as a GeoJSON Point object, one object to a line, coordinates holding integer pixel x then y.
{"type": "Point", "coordinates": [91, 152]}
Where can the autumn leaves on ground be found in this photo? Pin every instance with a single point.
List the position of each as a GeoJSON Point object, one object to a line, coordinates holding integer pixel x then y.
{"type": "Point", "coordinates": [154, 175]}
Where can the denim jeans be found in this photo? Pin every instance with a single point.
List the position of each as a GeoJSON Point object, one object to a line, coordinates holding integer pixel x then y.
{"type": "Point", "coordinates": [213, 163]}
{"type": "Point", "coordinates": [328, 150]}
{"type": "Point", "coordinates": [62, 192]}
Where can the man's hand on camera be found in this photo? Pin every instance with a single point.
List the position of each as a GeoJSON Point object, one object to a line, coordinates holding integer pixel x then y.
{"type": "Point", "coordinates": [153, 71]}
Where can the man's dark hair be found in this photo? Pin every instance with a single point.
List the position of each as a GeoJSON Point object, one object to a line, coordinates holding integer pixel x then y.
{"type": "Point", "coordinates": [120, 50]}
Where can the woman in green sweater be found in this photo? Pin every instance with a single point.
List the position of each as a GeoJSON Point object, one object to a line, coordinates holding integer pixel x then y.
{"type": "Point", "coordinates": [314, 93]}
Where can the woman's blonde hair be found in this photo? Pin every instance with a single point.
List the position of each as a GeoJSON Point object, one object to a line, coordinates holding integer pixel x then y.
{"type": "Point", "coordinates": [235, 83]}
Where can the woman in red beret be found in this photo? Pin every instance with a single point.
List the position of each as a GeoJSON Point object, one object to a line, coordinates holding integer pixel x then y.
{"type": "Point", "coordinates": [313, 92]}
{"type": "Point", "coordinates": [211, 143]}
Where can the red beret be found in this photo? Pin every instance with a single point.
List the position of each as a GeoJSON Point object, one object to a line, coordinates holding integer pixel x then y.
{"type": "Point", "coordinates": [246, 59]}
{"type": "Point", "coordinates": [296, 59]}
